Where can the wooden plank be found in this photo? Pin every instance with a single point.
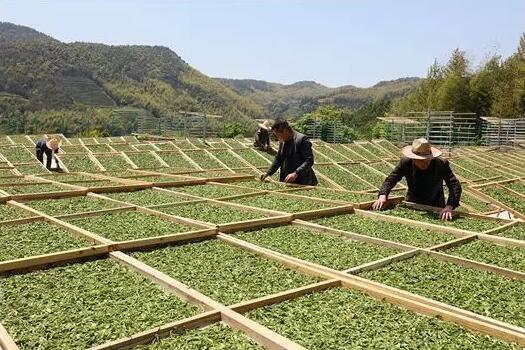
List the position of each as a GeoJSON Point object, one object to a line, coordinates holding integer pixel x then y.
{"type": "Point", "coordinates": [21, 221]}
{"type": "Point", "coordinates": [501, 228]}
{"type": "Point", "coordinates": [256, 223]}
{"type": "Point", "coordinates": [6, 342]}
{"type": "Point", "coordinates": [147, 337]}
{"type": "Point", "coordinates": [246, 306]}
{"type": "Point", "coordinates": [353, 236]}
{"type": "Point", "coordinates": [476, 265]}
{"type": "Point", "coordinates": [395, 296]}
{"type": "Point", "coordinates": [79, 232]}
{"type": "Point", "coordinates": [39, 261]}
{"type": "Point", "coordinates": [374, 265]}
{"type": "Point", "coordinates": [259, 333]}
{"type": "Point", "coordinates": [453, 243]}
{"type": "Point", "coordinates": [178, 238]}
{"type": "Point", "coordinates": [85, 214]}
{"type": "Point", "coordinates": [319, 213]}
{"type": "Point", "coordinates": [458, 233]}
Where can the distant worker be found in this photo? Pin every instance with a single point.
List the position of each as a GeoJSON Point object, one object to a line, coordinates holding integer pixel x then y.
{"type": "Point", "coordinates": [48, 147]}
{"type": "Point", "coordinates": [425, 173]}
{"type": "Point", "coordinates": [294, 157]}
{"type": "Point", "coordinates": [262, 136]}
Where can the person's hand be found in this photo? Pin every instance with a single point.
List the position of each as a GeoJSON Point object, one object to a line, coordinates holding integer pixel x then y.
{"type": "Point", "coordinates": [263, 177]}
{"type": "Point", "coordinates": [446, 213]}
{"type": "Point", "coordinates": [291, 177]}
{"type": "Point", "coordinates": [378, 204]}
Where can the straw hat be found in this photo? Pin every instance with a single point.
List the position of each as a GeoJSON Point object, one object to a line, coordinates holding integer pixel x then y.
{"type": "Point", "coordinates": [420, 149]}
{"type": "Point", "coordinates": [266, 125]}
{"type": "Point", "coordinates": [53, 143]}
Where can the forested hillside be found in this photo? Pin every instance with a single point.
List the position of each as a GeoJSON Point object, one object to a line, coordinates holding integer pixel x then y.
{"type": "Point", "coordinates": [39, 74]}
{"type": "Point", "coordinates": [496, 88]}
{"type": "Point", "coordinates": [304, 97]}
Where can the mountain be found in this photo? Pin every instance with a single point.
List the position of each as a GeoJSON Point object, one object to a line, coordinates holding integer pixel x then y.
{"type": "Point", "coordinates": [304, 96]}
{"type": "Point", "coordinates": [49, 85]}
{"type": "Point", "coordinates": [43, 73]}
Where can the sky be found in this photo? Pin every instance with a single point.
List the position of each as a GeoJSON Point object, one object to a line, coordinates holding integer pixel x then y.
{"type": "Point", "coordinates": [333, 42]}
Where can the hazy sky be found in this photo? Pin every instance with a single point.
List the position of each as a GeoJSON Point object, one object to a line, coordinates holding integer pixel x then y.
{"type": "Point", "coordinates": [358, 42]}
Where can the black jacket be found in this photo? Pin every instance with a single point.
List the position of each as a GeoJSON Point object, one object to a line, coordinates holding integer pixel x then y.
{"type": "Point", "coordinates": [295, 155]}
{"type": "Point", "coordinates": [425, 186]}
{"type": "Point", "coordinates": [262, 138]}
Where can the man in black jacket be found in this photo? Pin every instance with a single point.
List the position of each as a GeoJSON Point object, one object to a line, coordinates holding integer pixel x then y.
{"type": "Point", "coordinates": [48, 148]}
{"type": "Point", "coordinates": [425, 173]}
{"type": "Point", "coordinates": [294, 157]}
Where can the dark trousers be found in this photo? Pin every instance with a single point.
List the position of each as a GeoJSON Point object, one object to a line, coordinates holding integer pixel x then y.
{"type": "Point", "coordinates": [40, 156]}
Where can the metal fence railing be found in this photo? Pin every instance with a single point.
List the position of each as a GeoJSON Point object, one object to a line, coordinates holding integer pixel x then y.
{"type": "Point", "coordinates": [450, 129]}
{"type": "Point", "coordinates": [185, 124]}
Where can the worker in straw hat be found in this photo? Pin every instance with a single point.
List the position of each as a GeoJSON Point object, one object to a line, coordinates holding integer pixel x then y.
{"type": "Point", "coordinates": [262, 136]}
{"type": "Point", "coordinates": [48, 147]}
{"type": "Point", "coordinates": [425, 172]}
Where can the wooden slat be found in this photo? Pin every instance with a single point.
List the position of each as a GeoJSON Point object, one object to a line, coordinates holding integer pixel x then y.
{"type": "Point", "coordinates": [259, 333]}
{"type": "Point", "coordinates": [6, 342]}
{"type": "Point", "coordinates": [246, 306]}
{"type": "Point", "coordinates": [395, 296]}
{"type": "Point", "coordinates": [146, 337]}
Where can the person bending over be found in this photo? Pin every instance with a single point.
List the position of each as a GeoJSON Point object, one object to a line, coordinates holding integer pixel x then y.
{"type": "Point", "coordinates": [425, 172]}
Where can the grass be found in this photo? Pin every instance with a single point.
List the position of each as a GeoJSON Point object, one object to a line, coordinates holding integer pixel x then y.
{"type": "Point", "coordinates": [216, 336]}
{"type": "Point", "coordinates": [35, 238]}
{"type": "Point", "coordinates": [324, 249]}
{"type": "Point", "coordinates": [509, 257]}
{"type": "Point", "coordinates": [342, 319]}
{"type": "Point", "coordinates": [71, 205]}
{"type": "Point", "coordinates": [461, 222]}
{"type": "Point", "coordinates": [128, 225]}
{"type": "Point", "coordinates": [211, 213]}
{"type": "Point", "coordinates": [82, 305]}
{"type": "Point", "coordinates": [223, 272]}
{"type": "Point", "coordinates": [481, 292]}
{"type": "Point", "coordinates": [284, 204]}
{"type": "Point", "coordinates": [8, 212]}
{"type": "Point", "coordinates": [391, 231]}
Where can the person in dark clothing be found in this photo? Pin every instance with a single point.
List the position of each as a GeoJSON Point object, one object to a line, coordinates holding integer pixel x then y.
{"type": "Point", "coordinates": [425, 173]}
{"type": "Point", "coordinates": [48, 148]}
{"type": "Point", "coordinates": [294, 157]}
{"type": "Point", "coordinates": [262, 136]}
